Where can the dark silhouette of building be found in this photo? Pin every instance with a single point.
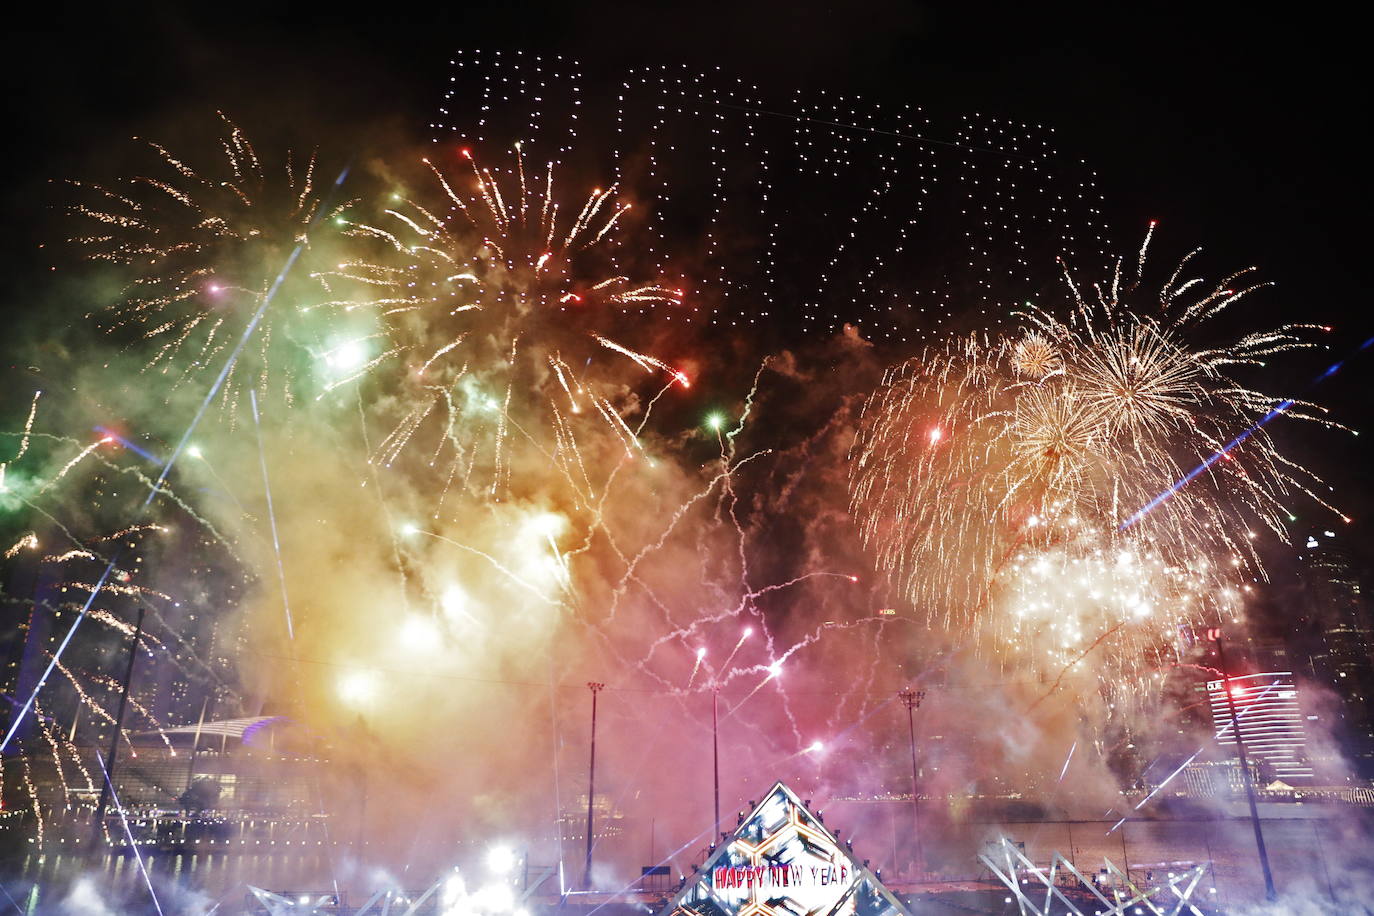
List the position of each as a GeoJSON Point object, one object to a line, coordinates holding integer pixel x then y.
{"type": "Point", "coordinates": [1339, 644]}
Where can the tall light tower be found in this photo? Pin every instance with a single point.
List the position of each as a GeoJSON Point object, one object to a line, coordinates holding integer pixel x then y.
{"type": "Point", "coordinates": [911, 699]}
{"type": "Point", "coordinates": [98, 827]}
{"type": "Point", "coordinates": [595, 688]}
{"type": "Point", "coordinates": [715, 756]}
{"type": "Point", "coordinates": [1214, 635]}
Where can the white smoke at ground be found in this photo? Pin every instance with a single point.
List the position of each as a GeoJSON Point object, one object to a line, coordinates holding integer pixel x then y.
{"type": "Point", "coordinates": [85, 898]}
{"type": "Point", "coordinates": [91, 894]}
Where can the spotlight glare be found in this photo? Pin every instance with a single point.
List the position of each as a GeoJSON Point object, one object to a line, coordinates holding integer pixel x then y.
{"type": "Point", "coordinates": [501, 859]}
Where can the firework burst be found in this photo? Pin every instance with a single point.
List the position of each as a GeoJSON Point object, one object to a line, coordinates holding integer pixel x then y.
{"type": "Point", "coordinates": [489, 296]}
{"type": "Point", "coordinates": [203, 251]}
{"type": "Point", "coordinates": [991, 476]}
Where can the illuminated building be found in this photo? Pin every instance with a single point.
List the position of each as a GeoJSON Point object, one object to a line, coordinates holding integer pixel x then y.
{"type": "Point", "coordinates": [228, 785]}
{"type": "Point", "coordinates": [1212, 778]}
{"type": "Point", "coordinates": [1271, 723]}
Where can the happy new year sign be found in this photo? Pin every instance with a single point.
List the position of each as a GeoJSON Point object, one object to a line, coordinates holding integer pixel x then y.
{"type": "Point", "coordinates": [780, 876]}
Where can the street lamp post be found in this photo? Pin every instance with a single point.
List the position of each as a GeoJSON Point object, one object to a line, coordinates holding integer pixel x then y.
{"type": "Point", "coordinates": [715, 757]}
{"type": "Point", "coordinates": [595, 688]}
{"type": "Point", "coordinates": [911, 699]}
{"type": "Point", "coordinates": [1269, 892]}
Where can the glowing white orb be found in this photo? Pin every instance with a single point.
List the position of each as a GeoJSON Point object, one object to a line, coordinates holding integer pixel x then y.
{"type": "Point", "coordinates": [418, 633]}
{"type": "Point", "coordinates": [347, 356]}
{"type": "Point", "coordinates": [546, 524]}
{"type": "Point", "coordinates": [454, 602]}
{"type": "Point", "coordinates": [357, 687]}
{"type": "Point", "coordinates": [501, 859]}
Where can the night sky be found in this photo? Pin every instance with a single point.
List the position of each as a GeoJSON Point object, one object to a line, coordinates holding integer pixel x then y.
{"type": "Point", "coordinates": [1237, 133]}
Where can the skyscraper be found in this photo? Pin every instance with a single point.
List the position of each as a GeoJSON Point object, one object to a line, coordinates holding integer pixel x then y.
{"type": "Point", "coordinates": [1341, 648]}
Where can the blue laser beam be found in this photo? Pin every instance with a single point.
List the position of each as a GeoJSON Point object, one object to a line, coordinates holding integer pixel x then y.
{"type": "Point", "coordinates": [1279, 409]}
{"type": "Point", "coordinates": [1192, 475]}
{"type": "Point", "coordinates": [131, 446]}
{"type": "Point", "coordinates": [52, 664]}
{"type": "Point", "coordinates": [129, 834]}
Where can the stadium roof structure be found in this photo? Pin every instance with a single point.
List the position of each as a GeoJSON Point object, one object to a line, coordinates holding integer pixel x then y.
{"type": "Point", "coordinates": [243, 729]}
{"type": "Point", "coordinates": [782, 861]}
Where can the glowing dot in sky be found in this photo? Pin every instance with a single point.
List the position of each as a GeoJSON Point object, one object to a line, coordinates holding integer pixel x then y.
{"type": "Point", "coordinates": [546, 524]}
{"type": "Point", "coordinates": [419, 632]}
{"type": "Point", "coordinates": [347, 355]}
{"type": "Point", "coordinates": [454, 602]}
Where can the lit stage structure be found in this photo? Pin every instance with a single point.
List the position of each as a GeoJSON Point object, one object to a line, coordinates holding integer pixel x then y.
{"type": "Point", "coordinates": [782, 861]}
{"type": "Point", "coordinates": [1038, 891]}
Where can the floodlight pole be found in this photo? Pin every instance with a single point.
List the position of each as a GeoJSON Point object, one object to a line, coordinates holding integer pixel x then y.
{"type": "Point", "coordinates": [595, 688]}
{"type": "Point", "coordinates": [97, 831]}
{"type": "Point", "coordinates": [1269, 892]}
{"type": "Point", "coordinates": [715, 757]}
{"type": "Point", "coordinates": [911, 699]}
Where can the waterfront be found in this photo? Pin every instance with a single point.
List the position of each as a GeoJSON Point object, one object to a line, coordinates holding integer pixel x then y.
{"type": "Point", "coordinates": [1314, 858]}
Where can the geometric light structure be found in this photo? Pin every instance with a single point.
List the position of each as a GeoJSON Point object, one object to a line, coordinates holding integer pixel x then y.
{"type": "Point", "coordinates": [297, 904]}
{"type": "Point", "coordinates": [1271, 722]}
{"type": "Point", "coordinates": [1017, 872]}
{"type": "Point", "coordinates": [782, 861]}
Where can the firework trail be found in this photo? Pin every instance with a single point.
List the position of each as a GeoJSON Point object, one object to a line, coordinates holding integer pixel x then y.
{"type": "Point", "coordinates": [990, 475]}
